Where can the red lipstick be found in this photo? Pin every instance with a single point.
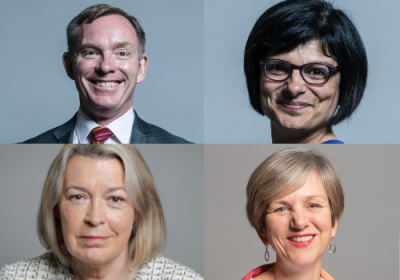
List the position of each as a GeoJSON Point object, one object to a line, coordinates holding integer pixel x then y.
{"type": "Point", "coordinates": [303, 243]}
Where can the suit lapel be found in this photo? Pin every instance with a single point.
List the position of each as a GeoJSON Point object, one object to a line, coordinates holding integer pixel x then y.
{"type": "Point", "coordinates": [141, 131]}
{"type": "Point", "coordinates": [64, 133]}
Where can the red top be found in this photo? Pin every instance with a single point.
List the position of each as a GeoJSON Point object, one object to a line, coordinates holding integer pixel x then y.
{"type": "Point", "coordinates": [266, 267]}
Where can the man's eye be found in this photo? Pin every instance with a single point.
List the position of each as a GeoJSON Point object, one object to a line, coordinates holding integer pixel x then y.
{"type": "Point", "coordinates": [123, 54]}
{"type": "Point", "coordinates": [89, 53]}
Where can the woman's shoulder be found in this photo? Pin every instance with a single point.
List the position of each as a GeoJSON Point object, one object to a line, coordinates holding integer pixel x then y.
{"type": "Point", "coordinates": [333, 141]}
{"type": "Point", "coordinates": [258, 271]}
{"type": "Point", "coordinates": [42, 267]}
{"type": "Point", "coordinates": [161, 268]}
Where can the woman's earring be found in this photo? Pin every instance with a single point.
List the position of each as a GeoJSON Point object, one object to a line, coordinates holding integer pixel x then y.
{"type": "Point", "coordinates": [266, 253]}
{"type": "Point", "coordinates": [337, 109]}
{"type": "Point", "coordinates": [331, 247]}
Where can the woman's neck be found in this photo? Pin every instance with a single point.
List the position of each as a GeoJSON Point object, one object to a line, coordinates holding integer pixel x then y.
{"type": "Point", "coordinates": [286, 271]}
{"type": "Point", "coordinates": [317, 136]}
{"type": "Point", "coordinates": [117, 268]}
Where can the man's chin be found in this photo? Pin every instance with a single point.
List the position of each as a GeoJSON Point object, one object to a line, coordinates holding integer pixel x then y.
{"type": "Point", "coordinates": [105, 110]}
{"type": "Point", "coordinates": [107, 103]}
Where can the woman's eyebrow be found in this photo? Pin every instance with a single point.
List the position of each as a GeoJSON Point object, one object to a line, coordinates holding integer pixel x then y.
{"type": "Point", "coordinates": [281, 202]}
{"type": "Point", "coordinates": [311, 197]}
{"type": "Point", "coordinates": [310, 62]}
{"type": "Point", "coordinates": [116, 189]}
{"type": "Point", "coordinates": [77, 188]}
{"type": "Point", "coordinates": [322, 62]}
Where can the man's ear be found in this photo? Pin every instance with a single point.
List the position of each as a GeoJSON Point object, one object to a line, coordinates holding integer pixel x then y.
{"type": "Point", "coordinates": [263, 237]}
{"type": "Point", "coordinates": [142, 68]}
{"type": "Point", "coordinates": [68, 65]}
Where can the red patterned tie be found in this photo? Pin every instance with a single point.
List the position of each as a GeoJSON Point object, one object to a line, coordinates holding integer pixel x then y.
{"type": "Point", "coordinates": [100, 135]}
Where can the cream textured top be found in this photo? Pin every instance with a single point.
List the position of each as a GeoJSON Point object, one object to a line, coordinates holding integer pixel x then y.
{"type": "Point", "coordinates": [48, 267]}
{"type": "Point", "coordinates": [319, 278]}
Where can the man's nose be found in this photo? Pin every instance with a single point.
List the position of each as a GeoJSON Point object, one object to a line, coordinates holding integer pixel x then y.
{"type": "Point", "coordinates": [107, 63]}
{"type": "Point", "coordinates": [295, 84]}
{"type": "Point", "coordinates": [95, 214]}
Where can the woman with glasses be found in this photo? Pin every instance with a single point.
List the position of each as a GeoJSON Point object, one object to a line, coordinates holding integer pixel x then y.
{"type": "Point", "coordinates": [306, 70]}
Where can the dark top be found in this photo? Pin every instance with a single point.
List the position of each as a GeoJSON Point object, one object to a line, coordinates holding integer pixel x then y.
{"type": "Point", "coordinates": [142, 132]}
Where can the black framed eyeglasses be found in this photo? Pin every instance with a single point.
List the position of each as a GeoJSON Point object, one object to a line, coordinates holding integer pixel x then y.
{"type": "Point", "coordinates": [312, 73]}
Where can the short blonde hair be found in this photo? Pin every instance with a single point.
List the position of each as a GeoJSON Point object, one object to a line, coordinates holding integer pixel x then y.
{"type": "Point", "coordinates": [149, 235]}
{"type": "Point", "coordinates": [283, 173]}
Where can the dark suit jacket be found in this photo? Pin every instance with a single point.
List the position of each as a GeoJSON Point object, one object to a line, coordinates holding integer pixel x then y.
{"type": "Point", "coordinates": [142, 132]}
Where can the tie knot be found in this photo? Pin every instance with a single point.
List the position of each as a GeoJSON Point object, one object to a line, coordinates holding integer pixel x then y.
{"type": "Point", "coordinates": [100, 135]}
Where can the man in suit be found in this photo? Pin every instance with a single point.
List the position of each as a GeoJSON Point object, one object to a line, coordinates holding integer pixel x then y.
{"type": "Point", "coordinates": [106, 59]}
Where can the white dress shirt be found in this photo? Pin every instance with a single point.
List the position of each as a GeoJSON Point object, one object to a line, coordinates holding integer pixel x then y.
{"type": "Point", "coordinates": [121, 128]}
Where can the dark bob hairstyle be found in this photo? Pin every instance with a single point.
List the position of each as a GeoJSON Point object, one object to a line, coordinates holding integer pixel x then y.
{"type": "Point", "coordinates": [290, 23]}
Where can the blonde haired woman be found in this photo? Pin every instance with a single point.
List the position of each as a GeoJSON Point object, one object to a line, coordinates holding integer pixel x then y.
{"type": "Point", "coordinates": [101, 218]}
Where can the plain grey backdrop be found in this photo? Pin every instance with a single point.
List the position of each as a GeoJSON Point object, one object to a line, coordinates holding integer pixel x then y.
{"type": "Point", "coordinates": [228, 116]}
{"type": "Point", "coordinates": [178, 175]}
{"type": "Point", "coordinates": [367, 239]}
{"type": "Point", "coordinates": [37, 95]}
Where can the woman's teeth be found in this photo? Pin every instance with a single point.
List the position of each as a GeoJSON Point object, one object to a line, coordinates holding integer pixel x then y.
{"type": "Point", "coordinates": [302, 239]}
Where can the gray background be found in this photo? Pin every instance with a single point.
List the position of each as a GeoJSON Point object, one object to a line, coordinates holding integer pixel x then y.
{"type": "Point", "coordinates": [37, 95]}
{"type": "Point", "coordinates": [178, 175]}
{"type": "Point", "coordinates": [367, 236]}
{"type": "Point", "coordinates": [228, 116]}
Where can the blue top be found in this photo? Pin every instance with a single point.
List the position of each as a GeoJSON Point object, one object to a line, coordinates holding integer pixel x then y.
{"type": "Point", "coordinates": [333, 141]}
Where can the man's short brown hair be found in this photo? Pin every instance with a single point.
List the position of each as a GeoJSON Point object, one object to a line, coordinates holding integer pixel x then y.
{"type": "Point", "coordinates": [91, 13]}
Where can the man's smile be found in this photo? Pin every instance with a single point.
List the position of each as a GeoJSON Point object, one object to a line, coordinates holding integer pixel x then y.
{"type": "Point", "coordinates": [105, 83]}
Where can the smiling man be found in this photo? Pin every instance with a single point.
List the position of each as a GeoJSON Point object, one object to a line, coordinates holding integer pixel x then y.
{"type": "Point", "coordinates": [106, 59]}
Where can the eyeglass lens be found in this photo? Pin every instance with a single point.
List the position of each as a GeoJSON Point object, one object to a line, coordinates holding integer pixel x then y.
{"type": "Point", "coordinates": [313, 73]}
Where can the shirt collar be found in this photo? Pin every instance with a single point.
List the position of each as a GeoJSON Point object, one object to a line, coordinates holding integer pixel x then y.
{"type": "Point", "coordinates": [121, 127]}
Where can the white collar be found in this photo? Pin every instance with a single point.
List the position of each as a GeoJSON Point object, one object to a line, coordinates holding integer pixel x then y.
{"type": "Point", "coordinates": [121, 128]}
